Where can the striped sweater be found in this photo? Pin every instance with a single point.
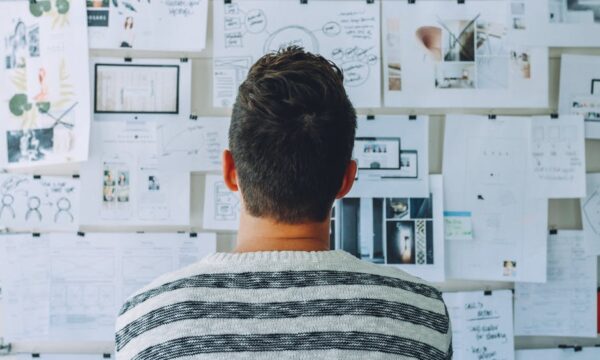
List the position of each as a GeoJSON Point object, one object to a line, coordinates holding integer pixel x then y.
{"type": "Point", "coordinates": [284, 305]}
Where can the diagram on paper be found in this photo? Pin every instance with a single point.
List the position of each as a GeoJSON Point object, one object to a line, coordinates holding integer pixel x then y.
{"type": "Point", "coordinates": [193, 145]}
{"type": "Point", "coordinates": [221, 206]}
{"type": "Point", "coordinates": [46, 83]}
{"type": "Point", "coordinates": [45, 203]}
{"type": "Point", "coordinates": [347, 34]}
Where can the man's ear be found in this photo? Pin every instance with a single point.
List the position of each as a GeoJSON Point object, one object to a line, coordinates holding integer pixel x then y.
{"type": "Point", "coordinates": [348, 180]}
{"type": "Point", "coordinates": [229, 172]}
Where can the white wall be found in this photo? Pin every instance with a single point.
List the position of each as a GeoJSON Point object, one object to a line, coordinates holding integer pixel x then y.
{"type": "Point", "coordinates": [563, 214]}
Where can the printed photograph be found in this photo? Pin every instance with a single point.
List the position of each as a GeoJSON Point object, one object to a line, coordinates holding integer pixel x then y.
{"type": "Point", "coordinates": [455, 76]}
{"type": "Point", "coordinates": [122, 190]}
{"type": "Point", "coordinates": [509, 268]}
{"type": "Point", "coordinates": [421, 208]}
{"type": "Point", "coordinates": [108, 186]}
{"type": "Point", "coordinates": [574, 11]}
{"type": "Point", "coordinates": [458, 40]}
{"type": "Point", "coordinates": [394, 77]}
{"type": "Point", "coordinates": [29, 145]}
{"type": "Point", "coordinates": [409, 164]}
{"type": "Point", "coordinates": [397, 208]}
{"type": "Point", "coordinates": [521, 64]}
{"type": "Point", "coordinates": [153, 184]}
{"type": "Point", "coordinates": [401, 242]}
{"type": "Point", "coordinates": [21, 43]}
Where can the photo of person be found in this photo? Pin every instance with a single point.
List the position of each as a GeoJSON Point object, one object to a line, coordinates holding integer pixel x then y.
{"type": "Point", "coordinates": [108, 187]}
{"type": "Point", "coordinates": [29, 145]}
{"type": "Point", "coordinates": [510, 268]}
{"type": "Point", "coordinates": [128, 34]}
{"type": "Point", "coordinates": [123, 186]}
{"type": "Point", "coordinates": [153, 184]}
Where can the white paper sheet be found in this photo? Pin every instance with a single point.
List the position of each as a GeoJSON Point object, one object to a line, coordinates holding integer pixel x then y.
{"type": "Point", "coordinates": [405, 232]}
{"type": "Point", "coordinates": [141, 89]}
{"type": "Point", "coordinates": [486, 173]}
{"type": "Point", "coordinates": [586, 353]}
{"type": "Point", "coordinates": [447, 54]}
{"type": "Point", "coordinates": [147, 25]}
{"type": "Point", "coordinates": [558, 157]}
{"type": "Point", "coordinates": [558, 23]}
{"type": "Point", "coordinates": [29, 203]}
{"type": "Point", "coordinates": [393, 157]}
{"type": "Point", "coordinates": [44, 97]}
{"type": "Point", "coordinates": [482, 325]}
{"type": "Point", "coordinates": [347, 32]}
{"type": "Point", "coordinates": [221, 206]}
{"type": "Point", "coordinates": [123, 184]}
{"type": "Point", "coordinates": [580, 90]}
{"type": "Point", "coordinates": [68, 287]}
{"type": "Point", "coordinates": [567, 304]}
{"type": "Point", "coordinates": [590, 214]}
{"type": "Point", "coordinates": [193, 145]}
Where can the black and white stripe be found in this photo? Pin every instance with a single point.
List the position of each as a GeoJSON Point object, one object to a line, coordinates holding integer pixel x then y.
{"type": "Point", "coordinates": [282, 280]}
{"type": "Point", "coordinates": [236, 343]}
{"type": "Point", "coordinates": [193, 310]}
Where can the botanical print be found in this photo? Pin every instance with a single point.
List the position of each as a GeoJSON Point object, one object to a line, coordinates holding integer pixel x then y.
{"type": "Point", "coordinates": [45, 102]}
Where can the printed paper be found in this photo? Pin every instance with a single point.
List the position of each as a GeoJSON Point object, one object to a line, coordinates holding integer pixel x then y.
{"type": "Point", "coordinates": [392, 153]}
{"type": "Point", "coordinates": [67, 287]}
{"type": "Point", "coordinates": [346, 32]}
{"type": "Point", "coordinates": [44, 97]}
{"type": "Point", "coordinates": [567, 304]}
{"type": "Point", "coordinates": [147, 25]}
{"type": "Point", "coordinates": [558, 157]}
{"type": "Point", "coordinates": [580, 90]}
{"type": "Point", "coordinates": [586, 353]}
{"type": "Point", "coordinates": [406, 232]}
{"type": "Point", "coordinates": [193, 145]}
{"type": "Point", "coordinates": [557, 23]}
{"type": "Point", "coordinates": [135, 89]}
{"type": "Point", "coordinates": [486, 173]}
{"type": "Point", "coordinates": [221, 206]}
{"type": "Point", "coordinates": [447, 54]}
{"type": "Point", "coordinates": [124, 184]}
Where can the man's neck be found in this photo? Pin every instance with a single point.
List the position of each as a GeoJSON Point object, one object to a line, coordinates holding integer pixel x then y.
{"type": "Point", "coordinates": [261, 234]}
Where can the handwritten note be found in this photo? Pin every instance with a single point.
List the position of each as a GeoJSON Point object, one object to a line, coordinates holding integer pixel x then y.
{"type": "Point", "coordinates": [557, 159]}
{"type": "Point", "coordinates": [566, 304]}
{"type": "Point", "coordinates": [482, 325]}
{"type": "Point", "coordinates": [458, 225]}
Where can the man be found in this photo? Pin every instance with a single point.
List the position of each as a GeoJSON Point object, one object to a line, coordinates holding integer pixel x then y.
{"type": "Point", "coordinates": [281, 294]}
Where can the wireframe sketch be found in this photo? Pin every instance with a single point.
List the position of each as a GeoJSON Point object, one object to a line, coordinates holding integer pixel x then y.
{"type": "Point", "coordinates": [46, 203]}
{"type": "Point", "coordinates": [459, 54]}
{"type": "Point", "coordinates": [127, 88]}
{"type": "Point", "coordinates": [345, 33]}
{"type": "Point", "coordinates": [46, 96]}
{"type": "Point", "coordinates": [147, 24]}
{"type": "Point", "coordinates": [125, 184]}
{"type": "Point", "coordinates": [226, 204]}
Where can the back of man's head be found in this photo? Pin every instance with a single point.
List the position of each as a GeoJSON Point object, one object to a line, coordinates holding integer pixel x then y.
{"type": "Point", "coordinates": [291, 136]}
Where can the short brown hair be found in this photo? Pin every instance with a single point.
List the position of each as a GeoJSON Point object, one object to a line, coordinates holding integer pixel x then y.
{"type": "Point", "coordinates": [291, 136]}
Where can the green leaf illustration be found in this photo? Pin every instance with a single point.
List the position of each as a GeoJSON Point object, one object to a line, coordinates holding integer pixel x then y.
{"type": "Point", "coordinates": [19, 104]}
{"type": "Point", "coordinates": [62, 6]}
{"type": "Point", "coordinates": [43, 107]}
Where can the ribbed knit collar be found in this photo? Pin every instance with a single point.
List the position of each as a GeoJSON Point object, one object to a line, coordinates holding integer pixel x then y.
{"type": "Point", "coordinates": [280, 256]}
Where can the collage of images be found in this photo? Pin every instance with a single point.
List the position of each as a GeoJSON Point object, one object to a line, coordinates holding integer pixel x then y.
{"type": "Point", "coordinates": [385, 230]}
